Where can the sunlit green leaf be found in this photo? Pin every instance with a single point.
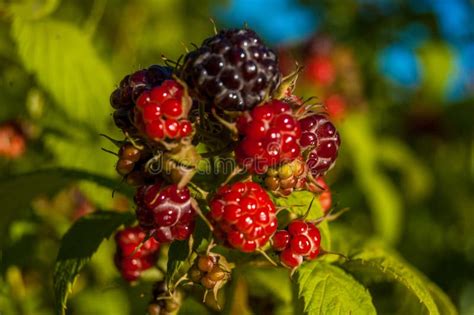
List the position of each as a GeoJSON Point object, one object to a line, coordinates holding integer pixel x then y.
{"type": "Point", "coordinates": [376, 264]}
{"type": "Point", "coordinates": [327, 289]}
{"type": "Point", "coordinates": [77, 247]}
{"type": "Point", "coordinates": [66, 65]}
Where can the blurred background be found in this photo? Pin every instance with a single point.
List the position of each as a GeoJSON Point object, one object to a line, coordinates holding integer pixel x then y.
{"type": "Point", "coordinates": [397, 77]}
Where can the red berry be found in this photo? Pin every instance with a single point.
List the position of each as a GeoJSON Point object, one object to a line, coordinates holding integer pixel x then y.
{"type": "Point", "coordinates": [301, 244]}
{"type": "Point", "coordinates": [322, 142]}
{"type": "Point", "coordinates": [270, 134]}
{"type": "Point", "coordinates": [290, 259]}
{"type": "Point", "coordinates": [134, 254]}
{"type": "Point", "coordinates": [301, 240]}
{"type": "Point", "coordinates": [321, 70]}
{"type": "Point", "coordinates": [155, 130]}
{"type": "Point", "coordinates": [162, 112]}
{"type": "Point", "coordinates": [12, 140]}
{"type": "Point", "coordinates": [171, 209]}
{"type": "Point", "coordinates": [297, 227]}
{"type": "Point", "coordinates": [336, 106]}
{"type": "Point", "coordinates": [243, 215]}
{"type": "Point", "coordinates": [134, 89]}
{"type": "Point", "coordinates": [172, 108]}
{"type": "Point", "coordinates": [280, 240]}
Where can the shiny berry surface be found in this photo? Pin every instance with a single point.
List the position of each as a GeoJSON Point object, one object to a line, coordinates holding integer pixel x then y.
{"type": "Point", "coordinates": [127, 94]}
{"type": "Point", "coordinates": [232, 70]}
{"type": "Point", "coordinates": [134, 254]}
{"type": "Point", "coordinates": [301, 240]}
{"type": "Point", "coordinates": [167, 210]}
{"type": "Point", "coordinates": [162, 111]}
{"type": "Point", "coordinates": [270, 137]}
{"type": "Point", "coordinates": [321, 141]}
{"type": "Point", "coordinates": [243, 216]}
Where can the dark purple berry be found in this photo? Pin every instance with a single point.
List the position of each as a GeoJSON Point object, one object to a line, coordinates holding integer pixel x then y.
{"type": "Point", "coordinates": [232, 70]}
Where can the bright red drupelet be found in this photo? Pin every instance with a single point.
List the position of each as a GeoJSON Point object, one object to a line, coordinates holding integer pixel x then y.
{"type": "Point", "coordinates": [134, 254]}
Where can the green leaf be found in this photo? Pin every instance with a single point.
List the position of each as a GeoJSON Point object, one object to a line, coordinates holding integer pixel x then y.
{"type": "Point", "coordinates": [32, 9]}
{"type": "Point", "coordinates": [269, 282]}
{"type": "Point", "coordinates": [191, 306]}
{"type": "Point", "coordinates": [17, 192]}
{"type": "Point", "coordinates": [179, 261]}
{"type": "Point", "coordinates": [327, 289]}
{"type": "Point", "coordinates": [377, 264]}
{"type": "Point", "coordinates": [384, 200]}
{"type": "Point", "coordinates": [66, 65]}
{"type": "Point", "coordinates": [78, 245]}
{"type": "Point", "coordinates": [298, 203]}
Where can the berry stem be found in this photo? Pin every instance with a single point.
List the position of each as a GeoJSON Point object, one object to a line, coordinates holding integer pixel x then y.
{"type": "Point", "coordinates": [330, 217]}
{"type": "Point", "coordinates": [133, 142]}
{"type": "Point", "coordinates": [309, 208]}
{"type": "Point", "coordinates": [264, 254]}
{"type": "Point", "coordinates": [326, 252]}
{"type": "Point", "coordinates": [234, 173]}
{"type": "Point", "coordinates": [201, 191]}
{"type": "Point", "coordinates": [199, 212]}
{"type": "Point", "coordinates": [225, 123]}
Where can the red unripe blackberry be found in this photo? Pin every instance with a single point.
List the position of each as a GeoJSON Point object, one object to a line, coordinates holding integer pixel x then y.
{"type": "Point", "coordinates": [321, 70]}
{"type": "Point", "coordinates": [270, 137]}
{"type": "Point", "coordinates": [321, 142]}
{"type": "Point", "coordinates": [166, 209]}
{"type": "Point", "coordinates": [12, 140]}
{"type": "Point", "coordinates": [325, 198]}
{"type": "Point", "coordinates": [130, 88]}
{"type": "Point", "coordinates": [161, 113]}
{"type": "Point", "coordinates": [243, 215]}
{"type": "Point", "coordinates": [301, 240]}
{"type": "Point", "coordinates": [134, 254]}
{"type": "Point", "coordinates": [336, 106]}
{"type": "Point", "coordinates": [232, 70]}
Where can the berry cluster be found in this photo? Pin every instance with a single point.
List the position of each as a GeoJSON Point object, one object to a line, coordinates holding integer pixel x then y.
{"type": "Point", "coordinates": [167, 210]}
{"type": "Point", "coordinates": [208, 271]}
{"type": "Point", "coordinates": [243, 215]}
{"type": "Point", "coordinates": [300, 240]}
{"type": "Point", "coordinates": [270, 137]}
{"type": "Point", "coordinates": [134, 254]}
{"type": "Point", "coordinates": [226, 100]}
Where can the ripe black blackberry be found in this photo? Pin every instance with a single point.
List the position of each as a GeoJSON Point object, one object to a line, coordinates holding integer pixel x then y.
{"type": "Point", "coordinates": [232, 70]}
{"type": "Point", "coordinates": [123, 98]}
